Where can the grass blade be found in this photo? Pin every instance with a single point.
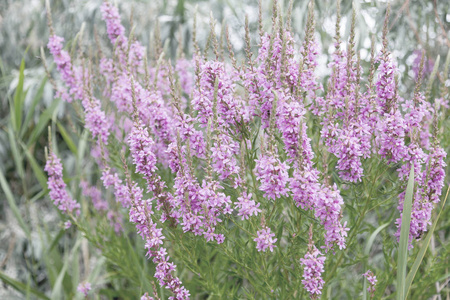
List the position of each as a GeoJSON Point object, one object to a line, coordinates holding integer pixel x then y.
{"type": "Point", "coordinates": [431, 78]}
{"type": "Point", "coordinates": [423, 250]}
{"type": "Point", "coordinates": [43, 121]}
{"type": "Point", "coordinates": [13, 205]}
{"type": "Point", "coordinates": [37, 170]}
{"type": "Point", "coordinates": [372, 238]}
{"type": "Point", "coordinates": [367, 252]}
{"type": "Point", "coordinates": [57, 288]}
{"type": "Point", "coordinates": [18, 97]}
{"type": "Point", "coordinates": [15, 152]}
{"type": "Point", "coordinates": [404, 237]}
{"type": "Point", "coordinates": [56, 240]}
{"type": "Point", "coordinates": [67, 138]}
{"type": "Point", "coordinates": [22, 287]}
{"type": "Point", "coordinates": [35, 101]}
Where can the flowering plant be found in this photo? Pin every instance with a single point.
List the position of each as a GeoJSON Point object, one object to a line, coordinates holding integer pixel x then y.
{"type": "Point", "coordinates": [244, 179]}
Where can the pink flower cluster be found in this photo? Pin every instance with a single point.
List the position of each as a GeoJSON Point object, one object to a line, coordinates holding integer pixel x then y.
{"type": "Point", "coordinates": [313, 264]}
{"type": "Point", "coordinates": [372, 279]}
{"type": "Point", "coordinates": [265, 240]}
{"type": "Point", "coordinates": [273, 175]}
{"type": "Point", "coordinates": [84, 288]}
{"type": "Point", "coordinates": [247, 207]}
{"type": "Point", "coordinates": [57, 186]}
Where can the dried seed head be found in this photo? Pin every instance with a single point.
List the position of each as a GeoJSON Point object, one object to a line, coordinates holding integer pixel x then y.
{"type": "Point", "coordinates": [230, 48]}
{"type": "Point", "coordinates": [157, 40]}
{"type": "Point", "coordinates": [337, 36]}
{"type": "Point", "coordinates": [49, 17]}
{"type": "Point", "coordinates": [386, 28]}
{"type": "Point", "coordinates": [289, 16]}
{"type": "Point", "coordinates": [419, 79]}
{"type": "Point", "coordinates": [212, 25]}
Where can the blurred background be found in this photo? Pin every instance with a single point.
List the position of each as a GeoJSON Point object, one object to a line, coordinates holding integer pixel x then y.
{"type": "Point", "coordinates": [415, 26]}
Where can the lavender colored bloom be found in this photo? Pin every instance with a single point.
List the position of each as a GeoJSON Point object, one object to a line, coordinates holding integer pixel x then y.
{"type": "Point", "coordinates": [292, 125]}
{"type": "Point", "coordinates": [95, 194]}
{"type": "Point", "coordinates": [348, 151]}
{"type": "Point", "coordinates": [429, 181]}
{"type": "Point", "coordinates": [223, 158]}
{"type": "Point", "coordinates": [140, 215]}
{"type": "Point", "coordinates": [428, 65]}
{"type": "Point", "coordinates": [144, 159]}
{"type": "Point", "coordinates": [328, 210]}
{"type": "Point", "coordinates": [114, 27]}
{"type": "Point", "coordinates": [247, 207]}
{"type": "Point", "coordinates": [273, 175]}
{"type": "Point", "coordinates": [146, 297]}
{"type": "Point", "coordinates": [385, 84]}
{"type": "Point", "coordinates": [326, 202]}
{"type": "Point", "coordinates": [63, 63]}
{"type": "Point", "coordinates": [84, 288]}
{"type": "Point", "coordinates": [372, 279]}
{"type": "Point", "coordinates": [67, 225]}
{"type": "Point", "coordinates": [183, 67]}
{"type": "Point", "coordinates": [436, 167]}
{"type": "Point", "coordinates": [313, 264]}
{"type": "Point", "coordinates": [305, 187]}
{"type": "Point", "coordinates": [115, 220]}
{"type": "Point", "coordinates": [390, 137]}
{"type": "Point", "coordinates": [76, 80]}
{"type": "Point", "coordinates": [95, 120]}
{"type": "Point", "coordinates": [265, 239]}
{"type": "Point", "coordinates": [229, 107]}
{"type": "Point", "coordinates": [269, 75]}
{"type": "Point", "coordinates": [57, 187]}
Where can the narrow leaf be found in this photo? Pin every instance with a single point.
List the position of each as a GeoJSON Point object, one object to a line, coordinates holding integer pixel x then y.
{"type": "Point", "coordinates": [58, 287]}
{"type": "Point", "coordinates": [367, 252]}
{"type": "Point", "coordinates": [404, 237]}
{"type": "Point", "coordinates": [22, 287]}
{"type": "Point", "coordinates": [67, 139]}
{"type": "Point", "coordinates": [12, 204]}
{"type": "Point", "coordinates": [15, 152]}
{"type": "Point", "coordinates": [18, 97]}
{"type": "Point", "coordinates": [33, 105]}
{"type": "Point", "coordinates": [372, 238]}
{"type": "Point", "coordinates": [423, 250]}
{"type": "Point", "coordinates": [42, 123]}
{"type": "Point", "coordinates": [37, 170]}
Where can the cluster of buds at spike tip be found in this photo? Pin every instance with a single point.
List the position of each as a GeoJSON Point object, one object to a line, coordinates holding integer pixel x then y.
{"type": "Point", "coordinates": [372, 279]}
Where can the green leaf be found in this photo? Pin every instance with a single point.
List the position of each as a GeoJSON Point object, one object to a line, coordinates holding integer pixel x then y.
{"type": "Point", "coordinates": [37, 170]}
{"type": "Point", "coordinates": [13, 205]}
{"type": "Point", "coordinates": [38, 196]}
{"type": "Point", "coordinates": [22, 287]}
{"type": "Point", "coordinates": [432, 77]}
{"type": "Point", "coordinates": [58, 286]}
{"type": "Point", "coordinates": [15, 152]}
{"type": "Point", "coordinates": [423, 250]}
{"type": "Point", "coordinates": [75, 274]}
{"type": "Point", "coordinates": [404, 237]}
{"type": "Point", "coordinates": [35, 101]}
{"type": "Point", "coordinates": [367, 252]}
{"type": "Point", "coordinates": [42, 123]}
{"type": "Point", "coordinates": [56, 240]}
{"type": "Point", "coordinates": [19, 97]}
{"type": "Point", "coordinates": [67, 139]}
{"type": "Point", "coordinates": [372, 238]}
